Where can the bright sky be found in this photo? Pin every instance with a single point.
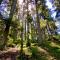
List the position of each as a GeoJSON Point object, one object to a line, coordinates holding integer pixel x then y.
{"type": "Point", "coordinates": [53, 13]}
{"type": "Point", "coordinates": [3, 9]}
{"type": "Point", "coordinates": [51, 7]}
{"type": "Point", "coordinates": [48, 4]}
{"type": "Point", "coordinates": [20, 1]}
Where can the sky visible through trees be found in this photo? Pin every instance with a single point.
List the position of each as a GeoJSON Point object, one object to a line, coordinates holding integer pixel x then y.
{"type": "Point", "coordinates": [4, 8]}
{"type": "Point", "coordinates": [30, 29]}
{"type": "Point", "coordinates": [55, 14]}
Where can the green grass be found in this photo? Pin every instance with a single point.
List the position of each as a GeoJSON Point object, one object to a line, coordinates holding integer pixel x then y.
{"type": "Point", "coordinates": [36, 55]}
{"type": "Point", "coordinates": [53, 50]}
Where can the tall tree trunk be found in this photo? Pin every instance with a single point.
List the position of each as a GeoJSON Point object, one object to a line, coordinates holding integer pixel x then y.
{"type": "Point", "coordinates": [25, 29]}
{"type": "Point", "coordinates": [13, 6]}
{"type": "Point", "coordinates": [28, 40]}
{"type": "Point", "coordinates": [38, 25]}
{"type": "Point", "coordinates": [22, 39]}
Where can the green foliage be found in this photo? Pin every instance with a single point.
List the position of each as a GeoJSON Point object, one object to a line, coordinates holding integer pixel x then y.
{"type": "Point", "coordinates": [33, 41]}
{"type": "Point", "coordinates": [10, 43]}
{"type": "Point", "coordinates": [34, 51]}
{"type": "Point", "coordinates": [21, 29]}
{"type": "Point", "coordinates": [29, 18]}
{"type": "Point", "coordinates": [28, 43]}
{"type": "Point", "coordinates": [54, 50]}
{"type": "Point", "coordinates": [1, 1]}
{"type": "Point", "coordinates": [43, 23]}
{"type": "Point", "coordinates": [18, 41]}
{"type": "Point", "coordinates": [36, 54]}
{"type": "Point", "coordinates": [18, 31]}
{"type": "Point", "coordinates": [56, 36]}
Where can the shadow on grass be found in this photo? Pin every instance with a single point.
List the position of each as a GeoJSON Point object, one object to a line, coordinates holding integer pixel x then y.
{"type": "Point", "coordinates": [34, 56]}
{"type": "Point", "coordinates": [54, 51]}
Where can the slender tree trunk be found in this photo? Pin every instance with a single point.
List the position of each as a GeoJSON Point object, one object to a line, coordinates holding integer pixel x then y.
{"type": "Point", "coordinates": [22, 39]}
{"type": "Point", "coordinates": [25, 30]}
{"type": "Point", "coordinates": [28, 40]}
{"type": "Point", "coordinates": [38, 25]}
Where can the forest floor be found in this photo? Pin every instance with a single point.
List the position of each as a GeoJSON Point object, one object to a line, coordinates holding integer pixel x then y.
{"type": "Point", "coordinates": [48, 51]}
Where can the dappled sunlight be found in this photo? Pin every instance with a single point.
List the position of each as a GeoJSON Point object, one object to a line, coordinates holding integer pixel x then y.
{"type": "Point", "coordinates": [53, 49]}
{"type": "Point", "coordinates": [45, 53]}
{"type": "Point", "coordinates": [27, 51]}
{"type": "Point", "coordinates": [29, 30]}
{"type": "Point", "coordinates": [54, 45]}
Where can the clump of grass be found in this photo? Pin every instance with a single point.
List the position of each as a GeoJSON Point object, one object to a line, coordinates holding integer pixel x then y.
{"type": "Point", "coordinates": [36, 55]}
{"type": "Point", "coordinates": [34, 51]}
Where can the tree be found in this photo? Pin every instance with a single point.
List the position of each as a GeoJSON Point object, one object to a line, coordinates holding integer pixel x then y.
{"type": "Point", "coordinates": [8, 22]}
{"type": "Point", "coordinates": [1, 1]}
{"type": "Point", "coordinates": [38, 24]}
{"type": "Point", "coordinates": [28, 40]}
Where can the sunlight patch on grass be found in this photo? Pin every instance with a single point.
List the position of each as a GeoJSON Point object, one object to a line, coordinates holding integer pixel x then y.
{"type": "Point", "coordinates": [27, 51]}
{"type": "Point", "coordinates": [45, 53]}
{"type": "Point", "coordinates": [54, 45]}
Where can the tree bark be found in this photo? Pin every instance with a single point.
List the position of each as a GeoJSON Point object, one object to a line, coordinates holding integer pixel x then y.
{"type": "Point", "coordinates": [13, 6]}
{"type": "Point", "coordinates": [38, 25]}
{"type": "Point", "coordinates": [28, 40]}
